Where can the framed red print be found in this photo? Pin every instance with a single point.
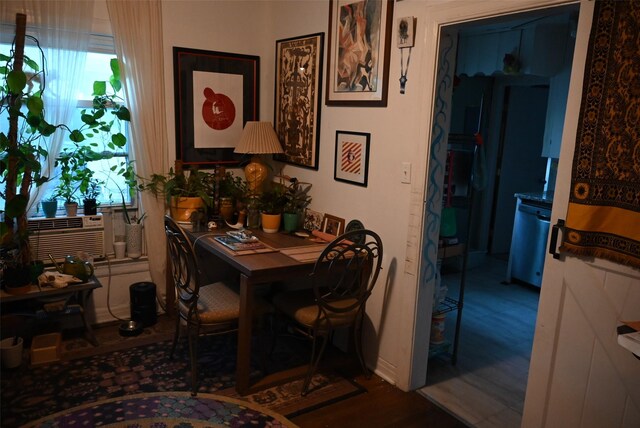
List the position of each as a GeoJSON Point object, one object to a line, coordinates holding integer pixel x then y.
{"type": "Point", "coordinates": [216, 93]}
{"type": "Point", "coordinates": [352, 157]}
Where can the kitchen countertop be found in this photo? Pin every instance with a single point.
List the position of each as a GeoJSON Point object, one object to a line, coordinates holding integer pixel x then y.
{"type": "Point", "coordinates": [543, 197]}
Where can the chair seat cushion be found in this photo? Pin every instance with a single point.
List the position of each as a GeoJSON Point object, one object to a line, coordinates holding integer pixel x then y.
{"type": "Point", "coordinates": [217, 303]}
{"type": "Point", "coordinates": [302, 307]}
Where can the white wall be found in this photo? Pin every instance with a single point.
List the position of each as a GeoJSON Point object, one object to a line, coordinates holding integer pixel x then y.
{"type": "Point", "coordinates": [252, 27]}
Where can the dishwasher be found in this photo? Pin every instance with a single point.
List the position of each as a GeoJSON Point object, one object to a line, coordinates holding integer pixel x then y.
{"type": "Point", "coordinates": [529, 241]}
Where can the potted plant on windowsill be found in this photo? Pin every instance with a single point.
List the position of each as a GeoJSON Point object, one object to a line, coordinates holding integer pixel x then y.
{"type": "Point", "coordinates": [90, 196]}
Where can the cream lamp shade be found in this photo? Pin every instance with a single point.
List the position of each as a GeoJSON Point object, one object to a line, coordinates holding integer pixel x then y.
{"type": "Point", "coordinates": [257, 138]}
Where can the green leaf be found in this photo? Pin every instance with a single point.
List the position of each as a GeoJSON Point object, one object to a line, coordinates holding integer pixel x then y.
{"type": "Point", "coordinates": [47, 129]}
{"type": "Point", "coordinates": [33, 121]}
{"type": "Point", "coordinates": [35, 105]}
{"type": "Point", "coordinates": [99, 88]}
{"type": "Point", "coordinates": [87, 118]}
{"type": "Point", "coordinates": [119, 139]}
{"type": "Point", "coordinates": [116, 84]}
{"type": "Point", "coordinates": [16, 206]}
{"type": "Point", "coordinates": [4, 57]}
{"type": "Point", "coordinates": [115, 68]}
{"type": "Point", "coordinates": [3, 70]}
{"type": "Point", "coordinates": [16, 81]}
{"type": "Point", "coordinates": [98, 114]}
{"type": "Point", "coordinates": [31, 63]}
{"type": "Point", "coordinates": [76, 136]}
{"type": "Point", "coordinates": [123, 114]}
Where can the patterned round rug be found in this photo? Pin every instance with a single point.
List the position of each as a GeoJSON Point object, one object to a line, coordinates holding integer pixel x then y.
{"type": "Point", "coordinates": [166, 410]}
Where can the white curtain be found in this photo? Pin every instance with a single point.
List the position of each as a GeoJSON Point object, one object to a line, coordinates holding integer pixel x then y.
{"type": "Point", "coordinates": [62, 28]}
{"type": "Point", "coordinates": [137, 29]}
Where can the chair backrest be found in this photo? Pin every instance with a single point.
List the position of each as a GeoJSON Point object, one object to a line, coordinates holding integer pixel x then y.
{"type": "Point", "coordinates": [183, 264]}
{"type": "Point", "coordinates": [346, 272]}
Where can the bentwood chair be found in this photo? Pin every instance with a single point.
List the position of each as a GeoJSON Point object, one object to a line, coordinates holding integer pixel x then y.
{"type": "Point", "coordinates": [203, 309]}
{"type": "Point", "coordinates": [342, 280]}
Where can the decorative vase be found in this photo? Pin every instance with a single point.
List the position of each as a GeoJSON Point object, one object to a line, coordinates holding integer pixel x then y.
{"type": "Point", "coordinates": [90, 206]}
{"type": "Point", "coordinates": [49, 208]}
{"type": "Point", "coordinates": [71, 208]}
{"type": "Point", "coordinates": [134, 240]}
{"type": "Point", "coordinates": [291, 222]}
{"type": "Point", "coordinates": [181, 207]}
{"type": "Point", "coordinates": [271, 222]}
{"type": "Point", "coordinates": [226, 208]}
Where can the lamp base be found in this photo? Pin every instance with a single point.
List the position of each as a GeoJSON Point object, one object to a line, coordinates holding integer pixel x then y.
{"type": "Point", "coordinates": [255, 173]}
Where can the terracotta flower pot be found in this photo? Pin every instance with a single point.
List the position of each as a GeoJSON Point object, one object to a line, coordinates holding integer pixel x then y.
{"type": "Point", "coordinates": [182, 207]}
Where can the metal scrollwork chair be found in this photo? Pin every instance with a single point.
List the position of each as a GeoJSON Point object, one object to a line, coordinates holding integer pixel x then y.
{"type": "Point", "coordinates": [203, 309]}
{"type": "Point", "coordinates": [342, 280]}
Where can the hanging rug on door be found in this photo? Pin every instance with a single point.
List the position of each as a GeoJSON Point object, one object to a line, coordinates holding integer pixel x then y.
{"type": "Point", "coordinates": [603, 218]}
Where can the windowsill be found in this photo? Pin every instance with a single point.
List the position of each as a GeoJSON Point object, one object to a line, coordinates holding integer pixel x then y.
{"type": "Point", "coordinates": [121, 266]}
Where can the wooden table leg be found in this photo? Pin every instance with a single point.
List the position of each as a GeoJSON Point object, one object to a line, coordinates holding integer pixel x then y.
{"type": "Point", "coordinates": [243, 362]}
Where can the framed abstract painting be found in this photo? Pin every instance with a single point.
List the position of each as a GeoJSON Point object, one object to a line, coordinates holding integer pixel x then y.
{"type": "Point", "coordinates": [351, 163]}
{"type": "Point", "coordinates": [359, 44]}
{"type": "Point", "coordinates": [216, 93]}
{"type": "Point", "coordinates": [298, 94]}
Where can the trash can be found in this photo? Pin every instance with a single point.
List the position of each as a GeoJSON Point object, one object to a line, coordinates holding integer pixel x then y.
{"type": "Point", "coordinates": [143, 303]}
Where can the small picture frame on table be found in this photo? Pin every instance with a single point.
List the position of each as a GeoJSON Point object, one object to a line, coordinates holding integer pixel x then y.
{"type": "Point", "coordinates": [312, 220]}
{"type": "Point", "coordinates": [332, 225]}
{"type": "Point", "coordinates": [351, 163]}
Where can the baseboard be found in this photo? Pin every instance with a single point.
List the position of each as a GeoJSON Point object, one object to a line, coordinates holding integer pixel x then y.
{"type": "Point", "coordinates": [386, 371]}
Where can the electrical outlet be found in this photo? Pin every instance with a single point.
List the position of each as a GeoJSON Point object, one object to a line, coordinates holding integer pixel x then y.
{"type": "Point", "coordinates": [406, 172]}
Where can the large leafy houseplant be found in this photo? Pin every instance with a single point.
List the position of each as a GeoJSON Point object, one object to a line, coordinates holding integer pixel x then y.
{"type": "Point", "coordinates": [25, 145]}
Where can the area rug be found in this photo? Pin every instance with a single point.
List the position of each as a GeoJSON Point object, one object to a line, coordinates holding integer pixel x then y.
{"type": "Point", "coordinates": [604, 204]}
{"type": "Point", "coordinates": [170, 409]}
{"type": "Point", "coordinates": [30, 393]}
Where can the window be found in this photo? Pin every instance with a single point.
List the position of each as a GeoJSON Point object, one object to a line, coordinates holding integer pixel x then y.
{"type": "Point", "coordinates": [96, 68]}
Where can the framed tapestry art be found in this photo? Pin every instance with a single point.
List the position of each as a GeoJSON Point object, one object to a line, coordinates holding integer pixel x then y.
{"type": "Point", "coordinates": [352, 157]}
{"type": "Point", "coordinates": [298, 98]}
{"type": "Point", "coordinates": [359, 52]}
{"type": "Point", "coordinates": [216, 93]}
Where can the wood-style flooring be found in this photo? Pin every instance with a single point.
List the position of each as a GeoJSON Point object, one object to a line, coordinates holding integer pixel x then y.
{"type": "Point", "coordinates": [486, 387]}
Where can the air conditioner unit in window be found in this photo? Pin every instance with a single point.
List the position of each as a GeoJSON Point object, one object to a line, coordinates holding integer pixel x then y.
{"type": "Point", "coordinates": [62, 236]}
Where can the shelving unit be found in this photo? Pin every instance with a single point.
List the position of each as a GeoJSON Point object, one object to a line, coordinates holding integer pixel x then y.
{"type": "Point", "coordinates": [464, 144]}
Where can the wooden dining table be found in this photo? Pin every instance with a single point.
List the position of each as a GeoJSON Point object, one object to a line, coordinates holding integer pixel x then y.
{"type": "Point", "coordinates": [287, 256]}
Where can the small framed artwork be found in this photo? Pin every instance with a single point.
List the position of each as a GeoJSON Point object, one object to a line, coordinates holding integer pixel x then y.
{"type": "Point", "coordinates": [312, 220]}
{"type": "Point", "coordinates": [298, 98]}
{"type": "Point", "coordinates": [352, 157]}
{"type": "Point", "coordinates": [216, 93]}
{"type": "Point", "coordinates": [359, 44]}
{"type": "Point", "coordinates": [332, 225]}
{"type": "Point", "coordinates": [405, 32]}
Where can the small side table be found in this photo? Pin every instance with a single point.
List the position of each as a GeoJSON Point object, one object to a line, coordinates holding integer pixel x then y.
{"type": "Point", "coordinates": [78, 293]}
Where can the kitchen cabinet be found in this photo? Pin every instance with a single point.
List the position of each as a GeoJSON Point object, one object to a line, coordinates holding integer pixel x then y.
{"type": "Point", "coordinates": [556, 107]}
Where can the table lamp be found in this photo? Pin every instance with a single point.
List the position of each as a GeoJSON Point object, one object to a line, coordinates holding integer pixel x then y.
{"type": "Point", "coordinates": [257, 138]}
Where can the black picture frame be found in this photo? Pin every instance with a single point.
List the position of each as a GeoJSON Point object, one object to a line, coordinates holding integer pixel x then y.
{"type": "Point", "coordinates": [209, 121]}
{"type": "Point", "coordinates": [298, 98]}
{"type": "Point", "coordinates": [351, 162]}
{"type": "Point", "coordinates": [358, 54]}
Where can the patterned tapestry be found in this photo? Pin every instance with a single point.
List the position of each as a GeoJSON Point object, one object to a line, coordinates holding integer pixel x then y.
{"type": "Point", "coordinates": [603, 218]}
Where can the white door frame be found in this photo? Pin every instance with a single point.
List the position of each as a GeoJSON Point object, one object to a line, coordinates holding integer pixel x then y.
{"type": "Point", "coordinates": [436, 15]}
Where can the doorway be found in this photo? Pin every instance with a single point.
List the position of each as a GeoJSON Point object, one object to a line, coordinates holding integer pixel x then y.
{"type": "Point", "coordinates": [499, 315]}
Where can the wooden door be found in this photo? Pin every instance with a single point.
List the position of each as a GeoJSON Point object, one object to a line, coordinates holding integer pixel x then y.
{"type": "Point", "coordinates": [579, 376]}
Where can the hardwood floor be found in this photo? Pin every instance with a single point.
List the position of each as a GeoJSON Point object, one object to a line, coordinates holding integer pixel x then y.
{"type": "Point", "coordinates": [486, 387]}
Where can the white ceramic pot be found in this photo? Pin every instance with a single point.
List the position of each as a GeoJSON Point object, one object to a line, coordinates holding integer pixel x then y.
{"type": "Point", "coordinates": [11, 354]}
{"type": "Point", "coordinates": [134, 240]}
